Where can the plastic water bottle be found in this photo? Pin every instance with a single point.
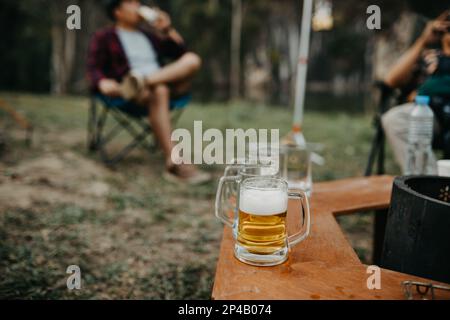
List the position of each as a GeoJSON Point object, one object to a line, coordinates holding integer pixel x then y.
{"type": "Point", "coordinates": [420, 158]}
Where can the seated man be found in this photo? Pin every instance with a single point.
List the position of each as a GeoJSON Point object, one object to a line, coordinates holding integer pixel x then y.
{"type": "Point", "coordinates": [425, 72]}
{"type": "Point", "coordinates": [124, 49]}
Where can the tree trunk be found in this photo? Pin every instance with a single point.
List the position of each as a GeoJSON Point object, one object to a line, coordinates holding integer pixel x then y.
{"type": "Point", "coordinates": [69, 47]}
{"type": "Point", "coordinates": [63, 48]}
{"type": "Point", "coordinates": [235, 56]}
{"type": "Point", "coordinates": [93, 18]}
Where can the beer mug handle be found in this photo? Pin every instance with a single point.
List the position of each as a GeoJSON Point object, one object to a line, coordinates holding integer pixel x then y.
{"type": "Point", "coordinates": [298, 237]}
{"type": "Point", "coordinates": [231, 168]}
{"type": "Point", "coordinates": [223, 216]}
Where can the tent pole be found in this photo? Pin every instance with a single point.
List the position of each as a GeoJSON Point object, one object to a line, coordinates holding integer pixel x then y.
{"type": "Point", "coordinates": [302, 69]}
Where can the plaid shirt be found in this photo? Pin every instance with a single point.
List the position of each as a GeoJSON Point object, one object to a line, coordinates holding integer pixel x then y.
{"type": "Point", "coordinates": [107, 58]}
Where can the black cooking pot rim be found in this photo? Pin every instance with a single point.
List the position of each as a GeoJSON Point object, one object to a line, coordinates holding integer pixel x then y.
{"type": "Point", "coordinates": [402, 183]}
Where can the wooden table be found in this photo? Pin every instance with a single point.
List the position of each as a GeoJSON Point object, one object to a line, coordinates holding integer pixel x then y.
{"type": "Point", "coordinates": [324, 266]}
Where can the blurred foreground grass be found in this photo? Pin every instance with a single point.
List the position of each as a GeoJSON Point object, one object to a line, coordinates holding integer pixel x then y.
{"type": "Point", "coordinates": [134, 235]}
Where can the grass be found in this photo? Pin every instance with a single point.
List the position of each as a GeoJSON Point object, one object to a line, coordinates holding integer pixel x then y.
{"type": "Point", "coordinates": [136, 236]}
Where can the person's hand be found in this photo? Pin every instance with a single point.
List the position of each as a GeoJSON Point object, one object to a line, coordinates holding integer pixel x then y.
{"type": "Point", "coordinates": [435, 28]}
{"type": "Point", "coordinates": [163, 23]}
{"type": "Point", "coordinates": [109, 87]}
{"type": "Point", "coordinates": [431, 59]}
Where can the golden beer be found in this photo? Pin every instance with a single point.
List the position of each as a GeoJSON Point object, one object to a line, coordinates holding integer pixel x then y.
{"type": "Point", "coordinates": [262, 221]}
{"type": "Point", "coordinates": [262, 234]}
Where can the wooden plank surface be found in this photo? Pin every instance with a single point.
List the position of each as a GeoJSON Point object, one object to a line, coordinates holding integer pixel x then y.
{"type": "Point", "coordinates": [325, 265]}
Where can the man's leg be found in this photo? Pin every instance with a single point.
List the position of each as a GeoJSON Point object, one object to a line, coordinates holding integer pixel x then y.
{"type": "Point", "coordinates": [181, 87]}
{"type": "Point", "coordinates": [177, 75]}
{"type": "Point", "coordinates": [156, 99]}
{"type": "Point", "coordinates": [159, 117]}
{"type": "Point", "coordinates": [185, 67]}
{"type": "Point", "coordinates": [396, 125]}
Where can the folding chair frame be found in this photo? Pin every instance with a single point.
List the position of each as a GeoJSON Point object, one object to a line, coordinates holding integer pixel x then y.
{"type": "Point", "coordinates": [377, 150]}
{"type": "Point", "coordinates": [98, 137]}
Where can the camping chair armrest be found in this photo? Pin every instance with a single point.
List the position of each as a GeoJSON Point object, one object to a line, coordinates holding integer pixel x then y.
{"type": "Point", "coordinates": [386, 93]}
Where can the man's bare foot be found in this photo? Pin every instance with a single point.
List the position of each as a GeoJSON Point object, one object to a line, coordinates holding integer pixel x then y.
{"type": "Point", "coordinates": [185, 174]}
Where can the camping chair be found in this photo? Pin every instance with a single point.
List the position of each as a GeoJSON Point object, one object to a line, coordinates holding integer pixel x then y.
{"type": "Point", "coordinates": [377, 151]}
{"type": "Point", "coordinates": [387, 98]}
{"type": "Point", "coordinates": [128, 117]}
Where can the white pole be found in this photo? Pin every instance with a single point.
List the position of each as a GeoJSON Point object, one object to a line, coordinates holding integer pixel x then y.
{"type": "Point", "coordinates": [302, 69]}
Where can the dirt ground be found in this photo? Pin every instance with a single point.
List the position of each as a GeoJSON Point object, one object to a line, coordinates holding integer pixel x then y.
{"type": "Point", "coordinates": [132, 234]}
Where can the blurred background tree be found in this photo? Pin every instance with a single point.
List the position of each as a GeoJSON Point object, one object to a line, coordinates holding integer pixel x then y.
{"type": "Point", "coordinates": [25, 45]}
{"type": "Point", "coordinates": [249, 48]}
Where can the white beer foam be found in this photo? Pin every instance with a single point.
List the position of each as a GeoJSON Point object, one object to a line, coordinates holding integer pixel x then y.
{"type": "Point", "coordinates": [263, 202]}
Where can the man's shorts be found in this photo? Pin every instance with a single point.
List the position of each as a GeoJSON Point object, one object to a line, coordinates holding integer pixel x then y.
{"type": "Point", "coordinates": [138, 111]}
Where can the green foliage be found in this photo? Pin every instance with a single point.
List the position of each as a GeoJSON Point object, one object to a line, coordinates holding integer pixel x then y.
{"type": "Point", "coordinates": [25, 45]}
{"type": "Point", "coordinates": [206, 26]}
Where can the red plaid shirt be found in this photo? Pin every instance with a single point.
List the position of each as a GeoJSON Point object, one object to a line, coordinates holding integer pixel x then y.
{"type": "Point", "coordinates": [107, 58]}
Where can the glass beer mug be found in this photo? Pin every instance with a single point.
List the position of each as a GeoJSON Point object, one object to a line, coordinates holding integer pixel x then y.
{"type": "Point", "coordinates": [241, 170]}
{"type": "Point", "coordinates": [268, 166]}
{"type": "Point", "coordinates": [296, 167]}
{"type": "Point", "coordinates": [259, 220]}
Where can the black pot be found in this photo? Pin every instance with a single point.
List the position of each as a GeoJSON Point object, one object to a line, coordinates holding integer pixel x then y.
{"type": "Point", "coordinates": [417, 239]}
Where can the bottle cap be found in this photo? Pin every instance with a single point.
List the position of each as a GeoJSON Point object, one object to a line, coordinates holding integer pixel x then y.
{"type": "Point", "coordinates": [423, 100]}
